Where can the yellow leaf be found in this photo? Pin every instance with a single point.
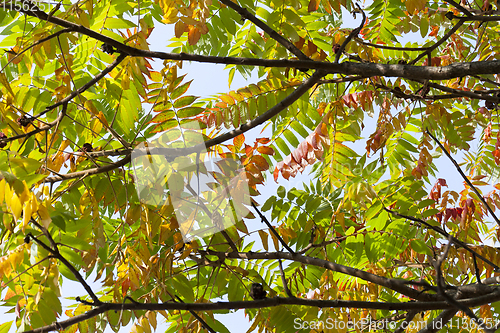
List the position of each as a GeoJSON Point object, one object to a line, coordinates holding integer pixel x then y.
{"type": "Point", "coordinates": [125, 83]}
{"type": "Point", "coordinates": [2, 189]}
{"type": "Point", "coordinates": [5, 83]}
{"type": "Point", "coordinates": [90, 106]}
{"type": "Point", "coordinates": [180, 28]}
{"type": "Point", "coordinates": [44, 216]}
{"type": "Point", "coordinates": [27, 211]}
{"type": "Point", "coordinates": [102, 118]}
{"type": "Point", "coordinates": [136, 329]}
{"type": "Point", "coordinates": [15, 206]}
{"type": "Point", "coordinates": [340, 219]}
{"type": "Point", "coordinates": [170, 15]}
{"type": "Point", "coordinates": [96, 125]}
{"type": "Point", "coordinates": [151, 315]}
{"type": "Point", "coordinates": [145, 325]}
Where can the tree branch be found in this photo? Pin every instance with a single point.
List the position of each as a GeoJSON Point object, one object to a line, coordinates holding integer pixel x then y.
{"type": "Point", "coordinates": [464, 177]}
{"type": "Point", "coordinates": [174, 152]}
{"type": "Point", "coordinates": [55, 253]}
{"type": "Point", "coordinates": [267, 29]}
{"type": "Point", "coordinates": [347, 68]}
{"type": "Point", "coordinates": [86, 86]}
{"type": "Point", "coordinates": [393, 284]}
{"type": "Point", "coordinates": [444, 233]}
{"type": "Point", "coordinates": [265, 303]}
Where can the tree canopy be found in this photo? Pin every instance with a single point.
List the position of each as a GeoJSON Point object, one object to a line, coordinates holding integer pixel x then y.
{"type": "Point", "coordinates": [112, 168]}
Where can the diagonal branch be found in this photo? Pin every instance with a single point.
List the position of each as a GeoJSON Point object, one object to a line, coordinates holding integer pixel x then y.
{"type": "Point", "coordinates": [444, 233]}
{"type": "Point", "coordinates": [86, 86]}
{"type": "Point", "coordinates": [38, 42]}
{"type": "Point", "coordinates": [439, 42]}
{"type": "Point", "coordinates": [267, 29]}
{"type": "Point", "coordinates": [174, 152]}
{"type": "Point", "coordinates": [352, 35]}
{"type": "Point", "coordinates": [40, 129]}
{"type": "Point", "coordinates": [273, 230]}
{"type": "Point", "coordinates": [464, 177]}
{"type": "Point", "coordinates": [56, 254]}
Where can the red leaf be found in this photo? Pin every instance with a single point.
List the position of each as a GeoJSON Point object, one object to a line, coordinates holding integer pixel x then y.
{"type": "Point", "coordinates": [442, 182]}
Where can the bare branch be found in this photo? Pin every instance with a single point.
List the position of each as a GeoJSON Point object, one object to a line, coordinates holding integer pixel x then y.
{"type": "Point", "coordinates": [273, 230]}
{"type": "Point", "coordinates": [439, 42]}
{"type": "Point", "coordinates": [352, 35]}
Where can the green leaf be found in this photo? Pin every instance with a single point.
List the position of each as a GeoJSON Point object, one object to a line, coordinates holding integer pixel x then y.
{"type": "Point", "coordinates": [184, 101]}
{"type": "Point", "coordinates": [180, 90]}
{"type": "Point", "coordinates": [189, 111]}
{"type": "Point", "coordinates": [420, 247]}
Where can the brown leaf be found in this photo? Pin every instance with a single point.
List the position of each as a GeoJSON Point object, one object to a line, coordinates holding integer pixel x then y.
{"type": "Point", "coordinates": [180, 28]}
{"type": "Point", "coordinates": [265, 150]}
{"type": "Point", "coordinates": [313, 6]}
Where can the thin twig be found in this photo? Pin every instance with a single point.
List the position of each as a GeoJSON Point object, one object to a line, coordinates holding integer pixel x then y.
{"type": "Point", "coordinates": [283, 279]}
{"type": "Point", "coordinates": [270, 31]}
{"type": "Point", "coordinates": [464, 177]}
{"type": "Point", "coordinates": [202, 322]}
{"type": "Point", "coordinates": [439, 42]}
{"type": "Point", "coordinates": [56, 254]}
{"type": "Point", "coordinates": [275, 233]}
{"type": "Point", "coordinates": [352, 35]}
{"type": "Point", "coordinates": [444, 233]}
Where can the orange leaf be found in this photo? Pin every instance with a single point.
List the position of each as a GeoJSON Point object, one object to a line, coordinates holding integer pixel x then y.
{"type": "Point", "coordinates": [238, 141]}
{"type": "Point", "coordinates": [227, 99]}
{"type": "Point", "coordinates": [434, 31]}
{"type": "Point", "coordinates": [276, 172]}
{"type": "Point", "coordinates": [194, 35]}
{"type": "Point", "coordinates": [248, 150]}
{"type": "Point", "coordinates": [265, 150]}
{"type": "Point", "coordinates": [263, 140]}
